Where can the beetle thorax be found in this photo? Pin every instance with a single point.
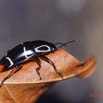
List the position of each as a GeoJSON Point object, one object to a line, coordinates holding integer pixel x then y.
{"type": "Point", "coordinates": [42, 49]}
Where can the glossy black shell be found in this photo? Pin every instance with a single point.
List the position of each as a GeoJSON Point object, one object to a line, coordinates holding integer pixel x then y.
{"type": "Point", "coordinates": [25, 52]}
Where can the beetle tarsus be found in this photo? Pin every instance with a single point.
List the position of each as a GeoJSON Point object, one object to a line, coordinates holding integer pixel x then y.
{"type": "Point", "coordinates": [50, 62]}
{"type": "Point", "coordinates": [38, 68]}
{"type": "Point", "coordinates": [16, 69]}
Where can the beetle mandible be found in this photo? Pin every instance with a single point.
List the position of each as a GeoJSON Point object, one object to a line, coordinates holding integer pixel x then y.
{"type": "Point", "coordinates": [28, 51]}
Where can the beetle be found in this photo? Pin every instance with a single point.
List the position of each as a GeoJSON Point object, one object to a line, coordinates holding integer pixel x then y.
{"type": "Point", "coordinates": [28, 51]}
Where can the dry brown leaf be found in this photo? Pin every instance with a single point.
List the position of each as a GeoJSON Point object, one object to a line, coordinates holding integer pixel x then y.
{"type": "Point", "coordinates": [25, 86]}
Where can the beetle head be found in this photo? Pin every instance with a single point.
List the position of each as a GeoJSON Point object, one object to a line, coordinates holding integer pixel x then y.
{"type": "Point", "coordinates": [53, 47]}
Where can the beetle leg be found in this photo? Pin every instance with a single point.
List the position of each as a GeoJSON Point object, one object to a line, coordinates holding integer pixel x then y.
{"type": "Point", "coordinates": [14, 70]}
{"type": "Point", "coordinates": [39, 66]}
{"type": "Point", "coordinates": [50, 62]}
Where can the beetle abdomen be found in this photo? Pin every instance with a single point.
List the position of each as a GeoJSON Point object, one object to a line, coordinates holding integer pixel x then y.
{"type": "Point", "coordinates": [16, 55]}
{"type": "Point", "coordinates": [20, 54]}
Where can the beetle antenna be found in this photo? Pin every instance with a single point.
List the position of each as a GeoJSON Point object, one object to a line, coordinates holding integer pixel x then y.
{"type": "Point", "coordinates": [58, 43]}
{"type": "Point", "coordinates": [67, 43]}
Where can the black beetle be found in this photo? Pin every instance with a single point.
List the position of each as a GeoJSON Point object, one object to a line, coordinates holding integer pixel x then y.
{"type": "Point", "coordinates": [28, 51]}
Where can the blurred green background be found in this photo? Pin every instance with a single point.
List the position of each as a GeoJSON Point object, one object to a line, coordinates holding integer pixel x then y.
{"type": "Point", "coordinates": [59, 21]}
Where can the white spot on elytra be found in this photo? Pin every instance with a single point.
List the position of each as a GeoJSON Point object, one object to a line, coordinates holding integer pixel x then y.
{"type": "Point", "coordinates": [11, 62]}
{"type": "Point", "coordinates": [37, 48]}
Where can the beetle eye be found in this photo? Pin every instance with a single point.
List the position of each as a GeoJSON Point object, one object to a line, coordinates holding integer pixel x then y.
{"type": "Point", "coordinates": [43, 48]}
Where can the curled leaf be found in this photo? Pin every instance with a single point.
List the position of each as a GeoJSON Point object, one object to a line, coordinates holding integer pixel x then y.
{"type": "Point", "coordinates": [25, 86]}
